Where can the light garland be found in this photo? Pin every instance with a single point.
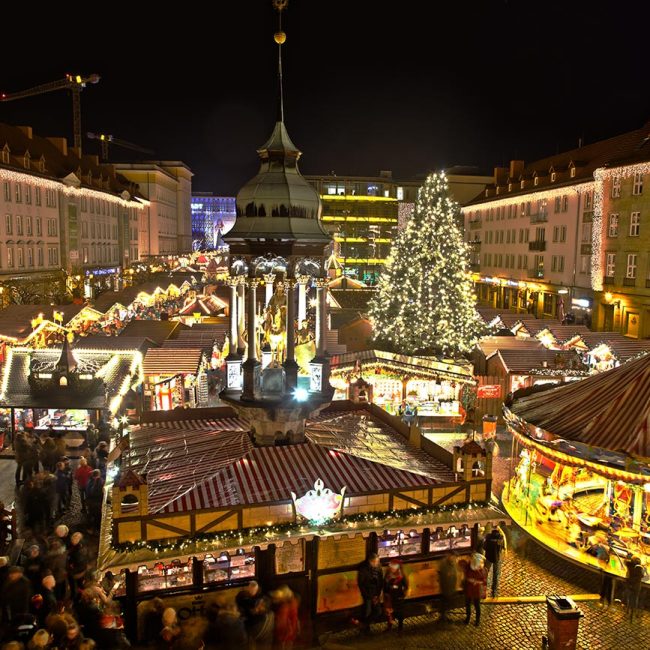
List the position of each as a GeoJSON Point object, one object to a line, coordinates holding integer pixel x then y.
{"type": "Point", "coordinates": [535, 195]}
{"type": "Point", "coordinates": [59, 186]}
{"type": "Point", "coordinates": [597, 232]}
{"type": "Point", "coordinates": [249, 536]}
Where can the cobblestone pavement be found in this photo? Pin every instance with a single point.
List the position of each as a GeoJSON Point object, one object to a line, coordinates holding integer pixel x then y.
{"type": "Point", "coordinates": [528, 571]}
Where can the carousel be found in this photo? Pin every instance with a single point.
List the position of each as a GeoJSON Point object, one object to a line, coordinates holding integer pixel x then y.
{"type": "Point", "coordinates": [580, 474]}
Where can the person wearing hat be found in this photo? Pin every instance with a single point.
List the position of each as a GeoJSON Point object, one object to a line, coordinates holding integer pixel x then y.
{"type": "Point", "coordinates": [33, 564]}
{"type": "Point", "coordinates": [395, 587]}
{"type": "Point", "coordinates": [475, 586]}
{"type": "Point", "coordinates": [16, 595]}
{"type": "Point", "coordinates": [371, 584]}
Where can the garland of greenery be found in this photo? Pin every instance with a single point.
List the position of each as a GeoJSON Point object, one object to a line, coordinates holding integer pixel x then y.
{"type": "Point", "coordinates": [250, 536]}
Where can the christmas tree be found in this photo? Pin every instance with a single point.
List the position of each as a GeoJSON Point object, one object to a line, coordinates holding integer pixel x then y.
{"type": "Point", "coordinates": [425, 302]}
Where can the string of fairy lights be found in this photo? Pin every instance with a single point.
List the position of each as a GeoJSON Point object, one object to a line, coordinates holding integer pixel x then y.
{"type": "Point", "coordinates": [267, 534]}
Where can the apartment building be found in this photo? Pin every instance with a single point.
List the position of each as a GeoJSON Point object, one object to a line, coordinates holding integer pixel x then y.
{"type": "Point", "coordinates": [62, 214]}
{"type": "Point", "coordinates": [568, 233]}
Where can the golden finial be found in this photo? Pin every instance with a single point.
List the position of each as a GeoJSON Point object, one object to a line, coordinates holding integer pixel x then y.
{"type": "Point", "coordinates": [280, 5]}
{"type": "Point", "coordinates": [280, 38]}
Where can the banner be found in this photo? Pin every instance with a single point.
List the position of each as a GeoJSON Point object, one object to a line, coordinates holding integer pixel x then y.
{"type": "Point", "coordinates": [489, 391]}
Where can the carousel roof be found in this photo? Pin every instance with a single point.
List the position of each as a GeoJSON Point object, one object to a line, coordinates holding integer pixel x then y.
{"type": "Point", "coordinates": [610, 410]}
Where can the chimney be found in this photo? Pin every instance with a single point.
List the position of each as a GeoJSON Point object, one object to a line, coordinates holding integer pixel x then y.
{"type": "Point", "coordinates": [500, 175]}
{"type": "Point", "coordinates": [516, 168]}
{"type": "Point", "coordinates": [61, 144]}
{"type": "Point", "coordinates": [27, 130]}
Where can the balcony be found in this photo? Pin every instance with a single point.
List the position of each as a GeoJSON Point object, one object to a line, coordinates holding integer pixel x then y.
{"type": "Point", "coordinates": [629, 282]}
{"type": "Point", "coordinates": [536, 273]}
{"type": "Point", "coordinates": [608, 279]}
{"type": "Point", "coordinates": [537, 245]}
{"type": "Point", "coordinates": [540, 217]}
{"type": "Point", "coordinates": [585, 249]}
{"type": "Point", "coordinates": [474, 242]}
{"type": "Point", "coordinates": [475, 225]}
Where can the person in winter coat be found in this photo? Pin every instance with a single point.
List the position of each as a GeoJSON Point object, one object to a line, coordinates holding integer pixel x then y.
{"type": "Point", "coordinates": [494, 548]}
{"type": "Point", "coordinates": [16, 595]}
{"type": "Point", "coordinates": [62, 488]}
{"type": "Point", "coordinates": [475, 586]}
{"type": "Point", "coordinates": [287, 625]}
{"type": "Point", "coordinates": [33, 564]}
{"type": "Point", "coordinates": [395, 587]}
{"type": "Point", "coordinates": [371, 583]}
{"type": "Point", "coordinates": [230, 628]}
{"type": "Point", "coordinates": [94, 493]}
{"type": "Point", "coordinates": [81, 477]}
{"type": "Point", "coordinates": [56, 561]}
{"type": "Point", "coordinates": [49, 605]}
{"type": "Point", "coordinates": [633, 580]}
{"type": "Point", "coordinates": [77, 565]}
{"type": "Point", "coordinates": [21, 453]}
{"type": "Point", "coordinates": [448, 579]}
{"type": "Point", "coordinates": [48, 454]}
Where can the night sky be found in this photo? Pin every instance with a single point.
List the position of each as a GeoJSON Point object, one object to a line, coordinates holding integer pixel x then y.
{"type": "Point", "coordinates": [414, 87]}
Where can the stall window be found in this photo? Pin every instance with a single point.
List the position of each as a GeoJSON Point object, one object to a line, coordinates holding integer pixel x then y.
{"type": "Point", "coordinates": [450, 539]}
{"type": "Point", "coordinates": [227, 567]}
{"type": "Point", "coordinates": [399, 543]}
{"type": "Point", "coordinates": [290, 558]}
{"type": "Point", "coordinates": [165, 576]}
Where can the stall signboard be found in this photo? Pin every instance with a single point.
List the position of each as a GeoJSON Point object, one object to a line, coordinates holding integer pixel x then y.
{"type": "Point", "coordinates": [338, 591]}
{"type": "Point", "coordinates": [290, 558]}
{"type": "Point", "coordinates": [424, 577]}
{"type": "Point", "coordinates": [341, 552]}
{"type": "Point", "coordinates": [489, 391]}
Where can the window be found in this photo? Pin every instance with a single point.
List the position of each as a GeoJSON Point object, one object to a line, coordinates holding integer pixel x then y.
{"type": "Point", "coordinates": [630, 270]}
{"type": "Point", "coordinates": [84, 254]}
{"type": "Point", "coordinates": [39, 227]}
{"type": "Point", "coordinates": [524, 261]}
{"type": "Point", "coordinates": [28, 194]}
{"type": "Point", "coordinates": [558, 203]}
{"type": "Point", "coordinates": [565, 203]}
{"type": "Point", "coordinates": [50, 198]}
{"type": "Point", "coordinates": [588, 200]}
{"type": "Point", "coordinates": [21, 259]}
{"type": "Point", "coordinates": [556, 230]}
{"type": "Point", "coordinates": [92, 226]}
{"type": "Point", "coordinates": [507, 236]}
{"type": "Point", "coordinates": [528, 208]}
{"type": "Point", "coordinates": [585, 264]}
{"type": "Point", "coordinates": [573, 172]}
{"type": "Point", "coordinates": [610, 265]}
{"type": "Point", "coordinates": [37, 195]}
{"type": "Point", "coordinates": [539, 263]}
{"type": "Point", "coordinates": [9, 230]}
{"type": "Point", "coordinates": [19, 225]}
{"type": "Point", "coordinates": [400, 194]}
{"type": "Point", "coordinates": [586, 232]}
{"type": "Point", "coordinates": [28, 226]}
{"type": "Point", "coordinates": [616, 187]}
{"type": "Point", "coordinates": [5, 156]}
{"type": "Point", "coordinates": [30, 257]}
{"type": "Point", "coordinates": [92, 206]}
{"type": "Point", "coordinates": [561, 233]}
{"type": "Point", "coordinates": [536, 181]}
{"type": "Point", "coordinates": [637, 184]}
{"type": "Point", "coordinates": [10, 256]}
{"type": "Point", "coordinates": [557, 263]}
{"type": "Point", "coordinates": [612, 230]}
{"type": "Point", "coordinates": [19, 193]}
{"type": "Point", "coordinates": [84, 229]}
{"type": "Point", "coordinates": [553, 177]}
{"type": "Point", "coordinates": [39, 258]}
{"type": "Point", "coordinates": [635, 224]}
{"type": "Point", "coordinates": [7, 186]}
{"type": "Point", "coordinates": [540, 234]}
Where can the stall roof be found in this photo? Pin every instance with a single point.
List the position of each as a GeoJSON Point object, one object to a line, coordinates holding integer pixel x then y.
{"type": "Point", "coordinates": [563, 333]}
{"type": "Point", "coordinates": [433, 366]}
{"type": "Point", "coordinates": [113, 366]}
{"type": "Point", "coordinates": [116, 343]}
{"type": "Point", "coordinates": [531, 360]}
{"type": "Point", "coordinates": [156, 330]}
{"type": "Point", "coordinates": [353, 298]}
{"type": "Point", "coordinates": [213, 464]}
{"type": "Point", "coordinates": [610, 410]}
{"type": "Point", "coordinates": [107, 300]}
{"type": "Point", "coordinates": [622, 347]}
{"type": "Point", "coordinates": [169, 361]}
{"type": "Point", "coordinates": [488, 345]}
{"type": "Point", "coordinates": [204, 305]}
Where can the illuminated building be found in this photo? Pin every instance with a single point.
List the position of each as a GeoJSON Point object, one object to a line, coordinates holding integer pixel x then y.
{"type": "Point", "coordinates": [165, 226]}
{"type": "Point", "coordinates": [567, 234]}
{"type": "Point", "coordinates": [61, 212]}
{"type": "Point", "coordinates": [363, 214]}
{"type": "Point", "coordinates": [211, 216]}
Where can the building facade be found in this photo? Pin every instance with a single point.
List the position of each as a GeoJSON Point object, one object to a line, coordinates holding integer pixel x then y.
{"type": "Point", "coordinates": [165, 226]}
{"type": "Point", "coordinates": [363, 214]}
{"type": "Point", "coordinates": [568, 233]}
{"type": "Point", "coordinates": [62, 215]}
{"type": "Point", "coordinates": [211, 216]}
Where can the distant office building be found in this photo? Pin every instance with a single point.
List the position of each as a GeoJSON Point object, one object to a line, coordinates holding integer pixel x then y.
{"type": "Point", "coordinates": [165, 226]}
{"type": "Point", "coordinates": [363, 213]}
{"type": "Point", "coordinates": [211, 216]}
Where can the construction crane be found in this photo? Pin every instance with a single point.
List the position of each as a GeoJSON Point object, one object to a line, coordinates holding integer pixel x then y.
{"type": "Point", "coordinates": [74, 83]}
{"type": "Point", "coordinates": [105, 140]}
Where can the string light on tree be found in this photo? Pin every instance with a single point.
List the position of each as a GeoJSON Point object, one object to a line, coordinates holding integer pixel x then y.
{"type": "Point", "coordinates": [425, 300]}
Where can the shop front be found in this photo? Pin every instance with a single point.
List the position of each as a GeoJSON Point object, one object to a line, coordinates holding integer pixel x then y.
{"type": "Point", "coordinates": [580, 477]}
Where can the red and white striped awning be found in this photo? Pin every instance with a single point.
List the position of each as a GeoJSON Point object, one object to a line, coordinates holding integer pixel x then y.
{"type": "Point", "coordinates": [270, 474]}
{"type": "Point", "coordinates": [610, 410]}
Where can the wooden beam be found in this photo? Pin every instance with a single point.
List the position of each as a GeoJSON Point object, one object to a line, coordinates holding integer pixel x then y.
{"type": "Point", "coordinates": [218, 520]}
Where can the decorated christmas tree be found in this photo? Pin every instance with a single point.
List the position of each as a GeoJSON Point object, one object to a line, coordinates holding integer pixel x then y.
{"type": "Point", "coordinates": [425, 301]}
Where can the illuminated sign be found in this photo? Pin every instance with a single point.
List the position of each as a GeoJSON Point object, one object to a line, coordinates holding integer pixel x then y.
{"type": "Point", "coordinates": [583, 303]}
{"type": "Point", "coordinates": [489, 391]}
{"type": "Point", "coordinates": [320, 504]}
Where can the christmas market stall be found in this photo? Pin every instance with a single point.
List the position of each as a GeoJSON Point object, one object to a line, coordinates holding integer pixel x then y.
{"type": "Point", "coordinates": [198, 509]}
{"type": "Point", "coordinates": [67, 389]}
{"type": "Point", "coordinates": [397, 381]}
{"type": "Point", "coordinates": [581, 480]}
